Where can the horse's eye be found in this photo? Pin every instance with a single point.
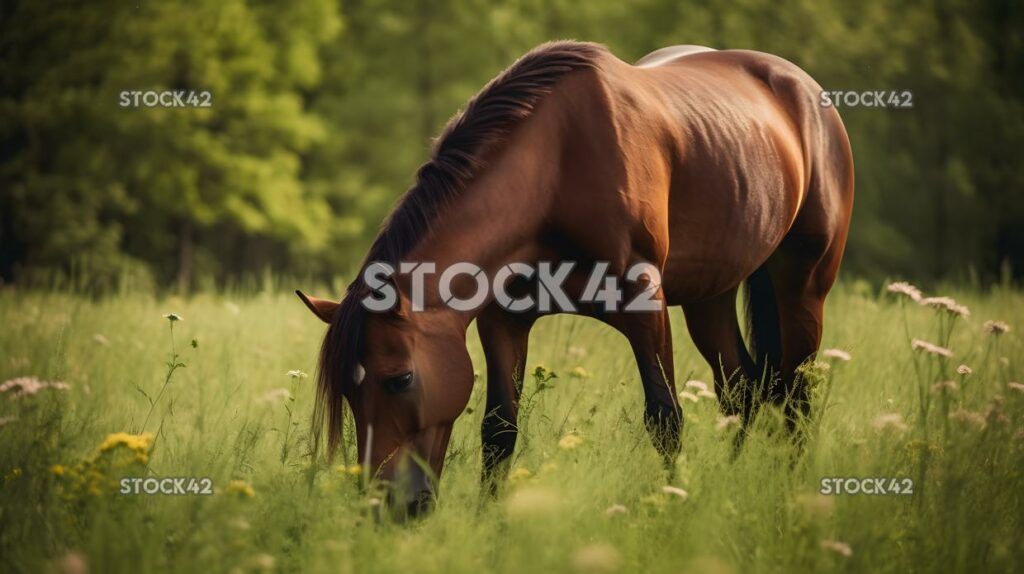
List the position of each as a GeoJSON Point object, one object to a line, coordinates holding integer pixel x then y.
{"type": "Point", "coordinates": [395, 385]}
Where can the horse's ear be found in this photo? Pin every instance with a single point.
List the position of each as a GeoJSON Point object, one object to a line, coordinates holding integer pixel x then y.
{"type": "Point", "coordinates": [320, 307]}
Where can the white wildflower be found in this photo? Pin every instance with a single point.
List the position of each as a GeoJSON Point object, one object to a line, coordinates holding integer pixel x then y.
{"type": "Point", "coordinates": [841, 548]}
{"type": "Point", "coordinates": [616, 509]}
{"type": "Point", "coordinates": [889, 421]}
{"type": "Point", "coordinates": [905, 289]}
{"type": "Point", "coordinates": [930, 348]}
{"type": "Point", "coordinates": [995, 328]}
{"type": "Point", "coordinates": [727, 422]}
{"type": "Point", "coordinates": [688, 396]}
{"type": "Point", "coordinates": [837, 354]}
{"type": "Point", "coordinates": [699, 385]}
{"type": "Point", "coordinates": [675, 491]}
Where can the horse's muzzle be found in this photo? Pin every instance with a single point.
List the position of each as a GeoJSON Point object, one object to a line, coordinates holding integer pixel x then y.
{"type": "Point", "coordinates": [412, 496]}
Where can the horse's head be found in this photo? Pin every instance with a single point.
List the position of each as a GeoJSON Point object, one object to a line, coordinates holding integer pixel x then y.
{"type": "Point", "coordinates": [406, 376]}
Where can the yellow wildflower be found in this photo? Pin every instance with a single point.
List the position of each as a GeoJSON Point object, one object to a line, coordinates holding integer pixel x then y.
{"type": "Point", "coordinates": [137, 442]}
{"type": "Point", "coordinates": [241, 488]}
{"type": "Point", "coordinates": [354, 470]}
{"type": "Point", "coordinates": [58, 469]}
{"type": "Point", "coordinates": [520, 473]}
{"type": "Point", "coordinates": [570, 441]}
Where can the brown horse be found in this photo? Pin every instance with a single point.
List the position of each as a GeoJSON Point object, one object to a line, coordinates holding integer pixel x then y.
{"type": "Point", "coordinates": [718, 167]}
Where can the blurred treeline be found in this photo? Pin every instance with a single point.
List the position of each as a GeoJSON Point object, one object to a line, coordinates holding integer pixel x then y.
{"type": "Point", "coordinates": [322, 112]}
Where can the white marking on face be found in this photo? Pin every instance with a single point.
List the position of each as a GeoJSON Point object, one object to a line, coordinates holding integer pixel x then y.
{"type": "Point", "coordinates": [360, 373]}
{"type": "Point", "coordinates": [369, 447]}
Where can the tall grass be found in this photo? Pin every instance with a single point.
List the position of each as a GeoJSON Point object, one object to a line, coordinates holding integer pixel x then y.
{"type": "Point", "coordinates": [227, 408]}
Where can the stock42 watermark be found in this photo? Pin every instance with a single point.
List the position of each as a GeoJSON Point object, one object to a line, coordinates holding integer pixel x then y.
{"type": "Point", "coordinates": [602, 288]}
{"type": "Point", "coordinates": [167, 485]}
{"type": "Point", "coordinates": [165, 99]}
{"type": "Point", "coordinates": [893, 99]}
{"type": "Point", "coordinates": [870, 485]}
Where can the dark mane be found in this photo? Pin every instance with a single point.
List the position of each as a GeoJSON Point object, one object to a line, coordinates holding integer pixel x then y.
{"type": "Point", "coordinates": [457, 156]}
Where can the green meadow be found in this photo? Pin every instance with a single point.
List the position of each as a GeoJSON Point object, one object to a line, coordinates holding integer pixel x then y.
{"type": "Point", "coordinates": [221, 394]}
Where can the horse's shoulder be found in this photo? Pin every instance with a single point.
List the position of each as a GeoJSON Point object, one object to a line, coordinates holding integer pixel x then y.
{"type": "Point", "coordinates": [670, 53]}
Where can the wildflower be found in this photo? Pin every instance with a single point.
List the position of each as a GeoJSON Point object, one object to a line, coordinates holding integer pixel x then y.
{"type": "Point", "coordinates": [173, 317]}
{"type": "Point", "coordinates": [947, 304]}
{"type": "Point", "coordinates": [241, 488]}
{"type": "Point", "coordinates": [889, 420]}
{"type": "Point", "coordinates": [944, 386]}
{"type": "Point", "coordinates": [727, 422]}
{"type": "Point", "coordinates": [297, 374]}
{"type": "Point", "coordinates": [675, 491]}
{"type": "Point", "coordinates": [354, 470]}
{"type": "Point", "coordinates": [968, 417]}
{"type": "Point", "coordinates": [373, 501]}
{"type": "Point", "coordinates": [964, 370]}
{"type": "Point", "coordinates": [841, 548]}
{"type": "Point", "coordinates": [814, 369]}
{"type": "Point", "coordinates": [837, 354]}
{"type": "Point", "coordinates": [995, 328]}
{"type": "Point", "coordinates": [616, 509]}
{"type": "Point", "coordinates": [58, 470]}
{"type": "Point", "coordinates": [531, 501]}
{"type": "Point", "coordinates": [815, 505]}
{"type": "Point", "coordinates": [276, 395]}
{"type": "Point", "coordinates": [699, 385]}
{"type": "Point", "coordinates": [264, 562]}
{"type": "Point", "coordinates": [570, 441]}
{"type": "Point", "coordinates": [707, 394]}
{"type": "Point", "coordinates": [579, 373]}
{"type": "Point", "coordinates": [520, 473]}
{"type": "Point", "coordinates": [72, 563]}
{"type": "Point", "coordinates": [930, 348]}
{"type": "Point", "coordinates": [905, 289]}
{"type": "Point", "coordinates": [1019, 387]}
{"type": "Point", "coordinates": [27, 386]}
{"type": "Point", "coordinates": [688, 396]}
{"type": "Point", "coordinates": [598, 557]}
{"type": "Point", "coordinates": [577, 351]}
{"type": "Point", "coordinates": [240, 524]}
{"type": "Point", "coordinates": [136, 442]}
{"type": "Point", "coordinates": [543, 377]}
{"type": "Point", "coordinates": [8, 420]}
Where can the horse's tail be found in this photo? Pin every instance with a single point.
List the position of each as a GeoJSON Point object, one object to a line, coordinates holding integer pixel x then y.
{"type": "Point", "coordinates": [763, 332]}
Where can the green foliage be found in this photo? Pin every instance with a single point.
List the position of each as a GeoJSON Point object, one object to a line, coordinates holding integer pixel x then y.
{"type": "Point", "coordinates": [322, 112]}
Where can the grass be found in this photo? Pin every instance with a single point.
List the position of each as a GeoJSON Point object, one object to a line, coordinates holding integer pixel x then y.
{"type": "Point", "coordinates": [214, 411]}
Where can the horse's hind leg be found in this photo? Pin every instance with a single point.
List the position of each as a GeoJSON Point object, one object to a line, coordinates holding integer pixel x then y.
{"type": "Point", "coordinates": [802, 271]}
{"type": "Point", "coordinates": [504, 337]}
{"type": "Point", "coordinates": [715, 331]}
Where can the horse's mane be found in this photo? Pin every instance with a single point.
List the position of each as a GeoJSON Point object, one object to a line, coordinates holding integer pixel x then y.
{"type": "Point", "coordinates": [456, 157]}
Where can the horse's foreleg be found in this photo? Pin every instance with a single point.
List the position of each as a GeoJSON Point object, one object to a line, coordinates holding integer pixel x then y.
{"type": "Point", "coordinates": [504, 337]}
{"type": "Point", "coordinates": [650, 336]}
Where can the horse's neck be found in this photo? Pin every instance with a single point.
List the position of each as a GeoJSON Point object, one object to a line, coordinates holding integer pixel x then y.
{"type": "Point", "coordinates": [496, 219]}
